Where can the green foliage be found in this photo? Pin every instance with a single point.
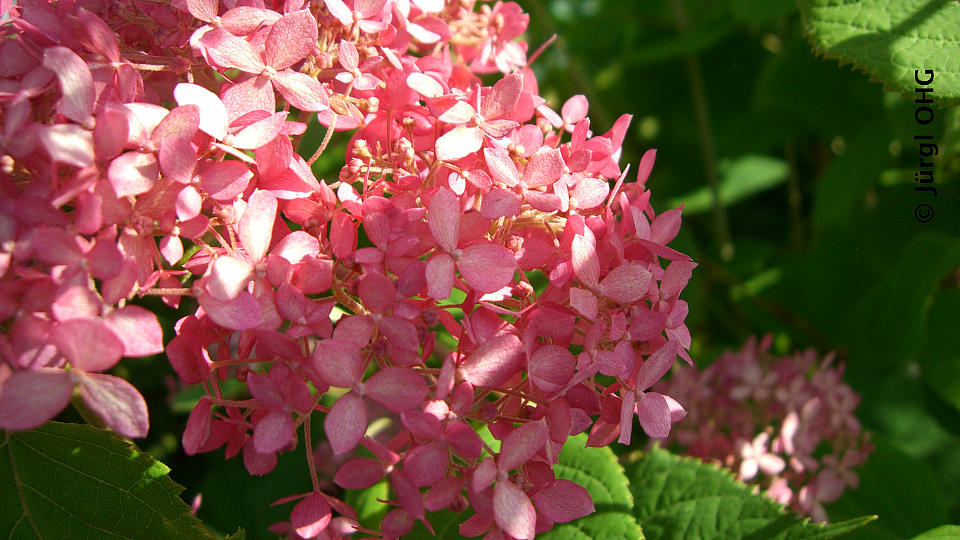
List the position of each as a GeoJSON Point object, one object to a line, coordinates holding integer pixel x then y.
{"type": "Point", "coordinates": [597, 470]}
{"type": "Point", "coordinates": [742, 177]}
{"type": "Point", "coordinates": [681, 497]}
{"type": "Point", "coordinates": [75, 481]}
{"type": "Point", "coordinates": [901, 490]}
{"type": "Point", "coordinates": [889, 39]}
{"type": "Point", "coordinates": [945, 532]}
{"type": "Point", "coordinates": [940, 359]}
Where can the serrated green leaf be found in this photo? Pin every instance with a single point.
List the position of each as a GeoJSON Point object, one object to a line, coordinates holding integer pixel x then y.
{"type": "Point", "coordinates": [741, 178]}
{"type": "Point", "coordinates": [597, 470]}
{"type": "Point", "coordinates": [945, 532]}
{"type": "Point", "coordinates": [682, 497]}
{"type": "Point", "coordinates": [75, 481]}
{"type": "Point", "coordinates": [889, 39]}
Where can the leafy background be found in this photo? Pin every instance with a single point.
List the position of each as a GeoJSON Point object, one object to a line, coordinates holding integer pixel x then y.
{"type": "Point", "coordinates": [815, 240]}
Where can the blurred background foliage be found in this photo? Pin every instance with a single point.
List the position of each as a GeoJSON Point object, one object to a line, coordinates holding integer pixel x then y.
{"type": "Point", "coordinates": [815, 241]}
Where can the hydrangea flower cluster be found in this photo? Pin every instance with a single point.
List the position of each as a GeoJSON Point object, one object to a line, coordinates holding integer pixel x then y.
{"type": "Point", "coordinates": [153, 148]}
{"type": "Point", "coordinates": [785, 424]}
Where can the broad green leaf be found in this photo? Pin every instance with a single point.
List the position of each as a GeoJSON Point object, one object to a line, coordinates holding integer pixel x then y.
{"type": "Point", "coordinates": [75, 481]}
{"type": "Point", "coordinates": [940, 359]}
{"type": "Point", "coordinates": [682, 497]}
{"type": "Point", "coordinates": [759, 13]}
{"type": "Point", "coordinates": [944, 532]}
{"type": "Point", "coordinates": [842, 186]}
{"type": "Point", "coordinates": [741, 178]}
{"type": "Point", "coordinates": [890, 320]}
{"type": "Point", "coordinates": [597, 470]}
{"type": "Point", "coordinates": [890, 39]}
{"type": "Point", "coordinates": [673, 48]}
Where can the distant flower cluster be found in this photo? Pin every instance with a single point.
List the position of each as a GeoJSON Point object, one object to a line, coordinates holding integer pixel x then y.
{"type": "Point", "coordinates": [154, 148]}
{"type": "Point", "coordinates": [785, 424]}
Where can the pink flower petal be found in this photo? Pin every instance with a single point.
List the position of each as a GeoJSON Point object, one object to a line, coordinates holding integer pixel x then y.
{"type": "Point", "coordinates": [117, 402]}
{"type": "Point", "coordinates": [301, 90]}
{"type": "Point", "coordinates": [521, 445]}
{"type": "Point", "coordinates": [675, 278]}
{"type": "Point", "coordinates": [338, 364]}
{"type": "Point", "coordinates": [503, 97]}
{"type": "Point", "coordinates": [256, 225]}
{"type": "Point", "coordinates": [513, 511]}
{"type": "Point", "coordinates": [239, 313]}
{"type": "Point", "coordinates": [230, 51]}
{"type": "Point", "coordinates": [397, 388]}
{"type": "Point", "coordinates": [226, 179]}
{"type": "Point", "coordinates": [440, 276]}
{"type": "Point", "coordinates": [493, 362]}
{"type": "Point", "coordinates": [426, 464]}
{"type": "Point", "coordinates": [260, 132]}
{"type": "Point", "coordinates": [626, 283]}
{"type": "Point", "coordinates": [291, 39]}
{"type": "Point", "coordinates": [500, 203]}
{"type": "Point", "coordinates": [213, 113]}
{"type": "Point", "coordinates": [310, 516]}
{"type": "Point", "coordinates": [133, 173]}
{"type": "Point", "coordinates": [138, 329]}
{"type": "Point", "coordinates": [586, 264]}
{"type": "Point", "coordinates": [425, 85]}
{"type": "Point", "coordinates": [654, 415]}
{"type": "Point", "coordinates": [656, 365]}
{"type": "Point", "coordinates": [76, 83]}
{"type": "Point", "coordinates": [346, 422]}
{"type": "Point", "coordinates": [487, 267]}
{"type": "Point", "coordinates": [273, 432]}
{"type": "Point", "coordinates": [67, 143]}
{"type": "Point", "coordinates": [544, 168]}
{"type": "Point", "coordinates": [198, 427]}
{"type": "Point", "coordinates": [359, 473]}
{"type": "Point", "coordinates": [443, 217]}
{"type": "Point", "coordinates": [551, 367]}
{"type": "Point", "coordinates": [88, 344]}
{"type": "Point", "coordinates": [666, 226]}
{"type": "Point", "coordinates": [30, 398]}
{"type": "Point", "coordinates": [229, 277]}
{"type": "Point", "coordinates": [564, 501]}
{"type": "Point", "coordinates": [458, 142]}
{"type": "Point", "coordinates": [573, 111]}
{"type": "Point", "coordinates": [585, 302]}
{"type": "Point", "coordinates": [501, 166]}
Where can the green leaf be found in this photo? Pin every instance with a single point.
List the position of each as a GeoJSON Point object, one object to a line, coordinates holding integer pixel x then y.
{"type": "Point", "coordinates": [370, 511]}
{"type": "Point", "coordinates": [741, 178]}
{"type": "Point", "coordinates": [682, 497]}
{"type": "Point", "coordinates": [597, 470]}
{"type": "Point", "coordinates": [945, 532]}
{"type": "Point", "coordinates": [842, 187]}
{"type": "Point", "coordinates": [76, 481]}
{"type": "Point", "coordinates": [900, 489]}
{"type": "Point", "coordinates": [940, 359]}
{"type": "Point", "coordinates": [891, 319]}
{"type": "Point", "coordinates": [889, 39]}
